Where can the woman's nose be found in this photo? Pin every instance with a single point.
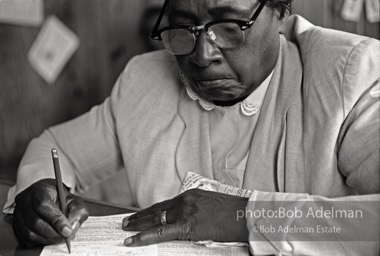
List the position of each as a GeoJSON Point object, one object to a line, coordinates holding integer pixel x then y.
{"type": "Point", "coordinates": [206, 51]}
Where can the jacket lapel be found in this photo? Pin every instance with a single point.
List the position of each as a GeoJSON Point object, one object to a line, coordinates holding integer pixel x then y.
{"type": "Point", "coordinates": [194, 148]}
{"type": "Point", "coordinates": [268, 166]}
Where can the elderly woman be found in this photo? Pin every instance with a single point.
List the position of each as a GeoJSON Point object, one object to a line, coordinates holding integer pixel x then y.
{"type": "Point", "coordinates": [246, 96]}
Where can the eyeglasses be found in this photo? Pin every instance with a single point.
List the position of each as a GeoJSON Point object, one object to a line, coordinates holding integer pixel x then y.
{"type": "Point", "coordinates": [181, 39]}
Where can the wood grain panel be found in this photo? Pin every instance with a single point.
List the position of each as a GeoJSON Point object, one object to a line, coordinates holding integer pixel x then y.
{"type": "Point", "coordinates": [108, 39]}
{"type": "Point", "coordinates": [327, 13]}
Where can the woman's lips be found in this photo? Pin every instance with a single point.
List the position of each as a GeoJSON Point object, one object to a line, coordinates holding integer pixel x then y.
{"type": "Point", "coordinates": [211, 83]}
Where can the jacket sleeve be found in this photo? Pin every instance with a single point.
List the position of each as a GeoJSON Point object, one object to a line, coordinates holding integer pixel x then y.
{"type": "Point", "coordinates": [295, 225]}
{"type": "Point", "coordinates": [87, 146]}
{"type": "Point", "coordinates": [359, 140]}
{"type": "Point", "coordinates": [358, 157]}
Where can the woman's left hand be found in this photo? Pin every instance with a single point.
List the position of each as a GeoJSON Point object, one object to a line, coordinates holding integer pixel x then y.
{"type": "Point", "coordinates": [194, 215]}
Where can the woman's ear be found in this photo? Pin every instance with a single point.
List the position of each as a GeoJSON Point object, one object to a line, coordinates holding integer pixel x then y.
{"type": "Point", "coordinates": [282, 21]}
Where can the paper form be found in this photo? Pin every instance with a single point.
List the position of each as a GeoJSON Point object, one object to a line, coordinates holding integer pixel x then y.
{"type": "Point", "coordinates": [22, 12]}
{"type": "Point", "coordinates": [190, 249]}
{"type": "Point", "coordinates": [104, 236]}
{"type": "Point", "coordinates": [101, 236]}
{"type": "Point", "coordinates": [194, 180]}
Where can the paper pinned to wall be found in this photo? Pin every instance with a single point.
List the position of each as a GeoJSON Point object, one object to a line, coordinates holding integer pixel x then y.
{"type": "Point", "coordinates": [352, 10]}
{"type": "Point", "coordinates": [22, 12]}
{"type": "Point", "coordinates": [372, 8]}
{"type": "Point", "coordinates": [53, 47]}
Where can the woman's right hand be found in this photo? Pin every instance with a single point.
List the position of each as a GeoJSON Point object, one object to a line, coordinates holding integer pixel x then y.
{"type": "Point", "coordinates": [38, 220]}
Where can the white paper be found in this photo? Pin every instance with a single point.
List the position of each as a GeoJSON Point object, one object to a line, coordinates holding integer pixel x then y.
{"type": "Point", "coordinates": [53, 47]}
{"type": "Point", "coordinates": [104, 236]}
{"type": "Point", "coordinates": [372, 8]}
{"type": "Point", "coordinates": [190, 249]}
{"type": "Point", "coordinates": [100, 236]}
{"type": "Point", "coordinates": [22, 12]}
{"type": "Point", "coordinates": [193, 180]}
{"type": "Point", "coordinates": [352, 9]}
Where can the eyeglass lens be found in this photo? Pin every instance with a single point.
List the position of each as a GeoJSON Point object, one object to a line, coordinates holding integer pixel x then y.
{"type": "Point", "coordinates": [182, 41]}
{"type": "Point", "coordinates": [178, 41]}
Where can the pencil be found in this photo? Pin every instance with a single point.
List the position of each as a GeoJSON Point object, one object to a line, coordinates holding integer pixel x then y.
{"type": "Point", "coordinates": [61, 195]}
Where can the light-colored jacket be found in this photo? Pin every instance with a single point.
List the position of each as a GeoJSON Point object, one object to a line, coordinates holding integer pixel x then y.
{"type": "Point", "coordinates": [318, 131]}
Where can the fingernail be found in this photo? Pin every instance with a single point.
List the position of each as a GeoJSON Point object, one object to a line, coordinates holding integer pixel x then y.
{"type": "Point", "coordinates": [75, 225]}
{"type": "Point", "coordinates": [128, 241]}
{"type": "Point", "coordinates": [66, 232]}
{"type": "Point", "coordinates": [125, 223]}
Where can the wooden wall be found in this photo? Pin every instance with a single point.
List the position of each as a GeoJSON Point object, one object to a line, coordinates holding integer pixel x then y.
{"type": "Point", "coordinates": [327, 13]}
{"type": "Point", "coordinates": [108, 32]}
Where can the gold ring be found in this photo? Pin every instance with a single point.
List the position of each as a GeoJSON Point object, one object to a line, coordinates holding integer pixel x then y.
{"type": "Point", "coordinates": [163, 218]}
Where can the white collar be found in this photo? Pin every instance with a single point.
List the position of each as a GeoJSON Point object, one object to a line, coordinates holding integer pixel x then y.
{"type": "Point", "coordinates": [249, 106]}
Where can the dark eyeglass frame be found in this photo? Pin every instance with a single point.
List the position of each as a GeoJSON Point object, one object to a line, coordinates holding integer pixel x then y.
{"type": "Point", "coordinates": [156, 33]}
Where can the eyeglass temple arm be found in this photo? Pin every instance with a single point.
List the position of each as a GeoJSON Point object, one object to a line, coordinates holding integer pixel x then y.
{"type": "Point", "coordinates": [153, 35]}
{"type": "Point", "coordinates": [257, 12]}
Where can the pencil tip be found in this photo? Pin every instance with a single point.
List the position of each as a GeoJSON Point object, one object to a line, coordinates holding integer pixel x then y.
{"type": "Point", "coordinates": [68, 243]}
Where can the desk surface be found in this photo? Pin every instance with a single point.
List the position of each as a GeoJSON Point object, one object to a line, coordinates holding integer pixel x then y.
{"type": "Point", "coordinates": [8, 243]}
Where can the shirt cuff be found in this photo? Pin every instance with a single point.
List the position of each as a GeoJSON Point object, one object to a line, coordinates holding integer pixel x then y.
{"type": "Point", "coordinates": [10, 203]}
{"type": "Point", "coordinates": [260, 243]}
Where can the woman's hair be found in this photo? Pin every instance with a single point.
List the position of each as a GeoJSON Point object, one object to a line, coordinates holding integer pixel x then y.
{"type": "Point", "coordinates": [282, 6]}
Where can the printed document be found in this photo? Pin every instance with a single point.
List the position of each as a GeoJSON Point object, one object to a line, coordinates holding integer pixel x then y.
{"type": "Point", "coordinates": [104, 236]}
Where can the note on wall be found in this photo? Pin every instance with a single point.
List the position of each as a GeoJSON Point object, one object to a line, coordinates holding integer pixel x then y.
{"type": "Point", "coordinates": [22, 12]}
{"type": "Point", "coordinates": [372, 8]}
{"type": "Point", "coordinates": [352, 9]}
{"type": "Point", "coordinates": [54, 46]}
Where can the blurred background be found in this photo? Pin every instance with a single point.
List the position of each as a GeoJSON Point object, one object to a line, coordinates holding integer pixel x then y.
{"type": "Point", "coordinates": [110, 32]}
